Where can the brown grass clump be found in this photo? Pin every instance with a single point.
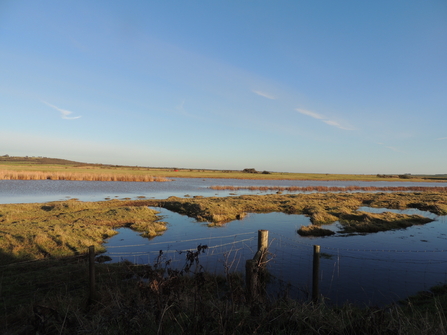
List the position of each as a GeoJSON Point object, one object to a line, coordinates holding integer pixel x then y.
{"type": "Point", "coordinates": [375, 222]}
{"type": "Point", "coordinates": [314, 230]}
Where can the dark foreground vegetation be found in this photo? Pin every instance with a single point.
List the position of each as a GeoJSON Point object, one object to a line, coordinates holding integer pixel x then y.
{"type": "Point", "coordinates": [52, 297]}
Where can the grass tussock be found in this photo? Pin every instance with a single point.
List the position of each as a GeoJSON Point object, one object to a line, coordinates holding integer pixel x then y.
{"type": "Point", "coordinates": [38, 175]}
{"type": "Point", "coordinates": [65, 228]}
{"type": "Point", "coordinates": [314, 230]}
{"type": "Point", "coordinates": [370, 222]}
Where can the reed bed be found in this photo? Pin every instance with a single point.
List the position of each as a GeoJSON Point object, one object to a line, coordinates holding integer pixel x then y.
{"type": "Point", "coordinates": [351, 188]}
{"type": "Point", "coordinates": [37, 175]}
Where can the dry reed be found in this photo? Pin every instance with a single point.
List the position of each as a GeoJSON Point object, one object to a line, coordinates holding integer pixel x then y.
{"type": "Point", "coordinates": [351, 188]}
{"type": "Point", "coordinates": [37, 175]}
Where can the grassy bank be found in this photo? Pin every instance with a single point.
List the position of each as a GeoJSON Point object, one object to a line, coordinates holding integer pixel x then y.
{"type": "Point", "coordinates": [66, 228]}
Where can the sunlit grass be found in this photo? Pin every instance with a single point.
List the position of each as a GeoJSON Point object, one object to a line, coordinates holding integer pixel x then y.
{"type": "Point", "coordinates": [33, 231]}
{"type": "Point", "coordinates": [322, 208]}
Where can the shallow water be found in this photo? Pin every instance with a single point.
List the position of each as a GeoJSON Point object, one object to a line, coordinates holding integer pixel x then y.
{"type": "Point", "coordinates": [23, 191]}
{"type": "Point", "coordinates": [375, 268]}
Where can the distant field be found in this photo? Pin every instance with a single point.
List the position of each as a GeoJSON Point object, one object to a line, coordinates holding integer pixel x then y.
{"type": "Point", "coordinates": [60, 167]}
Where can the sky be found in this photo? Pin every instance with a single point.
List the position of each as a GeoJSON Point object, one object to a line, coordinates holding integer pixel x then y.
{"type": "Point", "coordinates": [312, 86]}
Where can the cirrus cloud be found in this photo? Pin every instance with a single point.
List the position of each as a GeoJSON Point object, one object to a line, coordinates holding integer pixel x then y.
{"type": "Point", "coordinates": [265, 95]}
{"type": "Point", "coordinates": [323, 118]}
{"type": "Point", "coordinates": [64, 113]}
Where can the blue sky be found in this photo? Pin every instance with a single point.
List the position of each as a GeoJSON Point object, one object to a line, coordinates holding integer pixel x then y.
{"type": "Point", "coordinates": [296, 86]}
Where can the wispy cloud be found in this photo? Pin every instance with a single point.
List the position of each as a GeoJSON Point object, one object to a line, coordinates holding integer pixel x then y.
{"type": "Point", "coordinates": [394, 149]}
{"type": "Point", "coordinates": [64, 113]}
{"type": "Point", "coordinates": [388, 147]}
{"type": "Point", "coordinates": [311, 114]}
{"type": "Point", "coordinates": [265, 95]}
{"type": "Point", "coordinates": [442, 138]}
{"type": "Point", "coordinates": [322, 118]}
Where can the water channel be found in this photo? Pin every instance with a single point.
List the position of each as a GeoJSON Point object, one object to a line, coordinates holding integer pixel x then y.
{"type": "Point", "coordinates": [376, 268]}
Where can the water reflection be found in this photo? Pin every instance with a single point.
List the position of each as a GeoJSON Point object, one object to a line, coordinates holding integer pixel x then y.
{"type": "Point", "coordinates": [376, 268]}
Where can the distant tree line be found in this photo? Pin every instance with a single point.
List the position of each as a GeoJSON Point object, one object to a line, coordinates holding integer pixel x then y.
{"type": "Point", "coordinates": [401, 176]}
{"type": "Point", "coordinates": [254, 171]}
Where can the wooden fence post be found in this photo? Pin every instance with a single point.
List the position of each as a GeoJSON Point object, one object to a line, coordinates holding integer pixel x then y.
{"type": "Point", "coordinates": [91, 268]}
{"type": "Point", "coordinates": [263, 241]}
{"type": "Point", "coordinates": [315, 274]}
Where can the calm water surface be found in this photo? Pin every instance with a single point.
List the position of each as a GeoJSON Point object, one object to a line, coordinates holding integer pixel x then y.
{"type": "Point", "coordinates": [22, 191]}
{"type": "Point", "coordinates": [377, 268]}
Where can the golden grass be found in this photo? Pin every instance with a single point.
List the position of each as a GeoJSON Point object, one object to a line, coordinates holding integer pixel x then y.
{"type": "Point", "coordinates": [38, 175]}
{"type": "Point", "coordinates": [322, 208]}
{"type": "Point", "coordinates": [66, 228]}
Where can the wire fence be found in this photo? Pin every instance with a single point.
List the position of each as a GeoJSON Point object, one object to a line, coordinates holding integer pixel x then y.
{"type": "Point", "coordinates": [223, 252]}
{"type": "Point", "coordinates": [362, 276]}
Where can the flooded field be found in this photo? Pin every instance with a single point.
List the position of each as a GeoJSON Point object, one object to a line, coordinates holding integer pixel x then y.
{"type": "Point", "coordinates": [374, 268]}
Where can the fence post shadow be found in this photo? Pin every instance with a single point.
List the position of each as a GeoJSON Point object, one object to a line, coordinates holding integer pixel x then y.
{"type": "Point", "coordinates": [315, 274]}
{"type": "Point", "coordinates": [92, 275]}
